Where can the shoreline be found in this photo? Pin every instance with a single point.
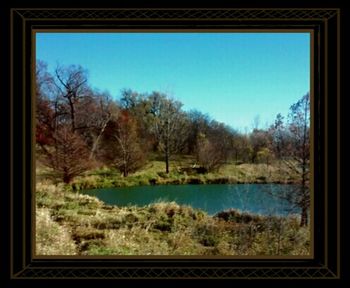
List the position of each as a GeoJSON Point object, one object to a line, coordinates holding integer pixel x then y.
{"type": "Point", "coordinates": [84, 183]}
{"type": "Point", "coordinates": [87, 226]}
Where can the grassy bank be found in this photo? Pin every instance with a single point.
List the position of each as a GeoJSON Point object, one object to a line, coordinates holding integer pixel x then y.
{"type": "Point", "coordinates": [68, 223]}
{"type": "Point", "coordinates": [181, 172]}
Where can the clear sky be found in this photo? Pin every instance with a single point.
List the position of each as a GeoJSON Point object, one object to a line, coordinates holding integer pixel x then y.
{"type": "Point", "coordinates": [231, 76]}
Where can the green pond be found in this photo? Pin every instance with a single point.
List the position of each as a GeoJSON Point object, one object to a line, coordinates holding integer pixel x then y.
{"type": "Point", "coordinates": [264, 199]}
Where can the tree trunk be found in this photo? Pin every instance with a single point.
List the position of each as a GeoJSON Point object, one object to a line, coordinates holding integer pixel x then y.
{"type": "Point", "coordinates": [95, 144]}
{"type": "Point", "coordinates": [167, 154]}
{"type": "Point", "coordinates": [125, 164]}
{"type": "Point", "coordinates": [72, 113]}
{"type": "Point", "coordinates": [67, 178]}
{"type": "Point", "coordinates": [125, 171]}
{"type": "Point", "coordinates": [166, 161]}
{"type": "Point", "coordinates": [304, 217]}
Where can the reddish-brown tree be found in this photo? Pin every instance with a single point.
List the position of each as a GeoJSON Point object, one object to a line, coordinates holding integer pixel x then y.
{"type": "Point", "coordinates": [121, 144]}
{"type": "Point", "coordinates": [68, 155]}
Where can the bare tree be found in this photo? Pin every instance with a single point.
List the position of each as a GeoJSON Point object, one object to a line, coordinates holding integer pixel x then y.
{"type": "Point", "coordinates": [121, 142]}
{"type": "Point", "coordinates": [256, 122]}
{"type": "Point", "coordinates": [209, 154]}
{"type": "Point", "coordinates": [259, 140]}
{"type": "Point", "coordinates": [299, 153]}
{"type": "Point", "coordinates": [86, 111]}
{"type": "Point", "coordinates": [45, 114]}
{"type": "Point", "coordinates": [93, 115]}
{"type": "Point", "coordinates": [278, 135]}
{"type": "Point", "coordinates": [129, 99]}
{"type": "Point", "coordinates": [199, 124]}
{"type": "Point", "coordinates": [169, 125]}
{"type": "Point", "coordinates": [62, 102]}
{"type": "Point", "coordinates": [71, 82]}
{"type": "Point", "coordinates": [139, 107]}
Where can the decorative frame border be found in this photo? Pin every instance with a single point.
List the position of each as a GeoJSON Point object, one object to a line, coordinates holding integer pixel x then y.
{"type": "Point", "coordinates": [325, 24]}
{"type": "Point", "coordinates": [181, 14]}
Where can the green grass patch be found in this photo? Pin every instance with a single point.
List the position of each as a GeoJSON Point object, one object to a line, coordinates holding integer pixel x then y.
{"type": "Point", "coordinates": [182, 172]}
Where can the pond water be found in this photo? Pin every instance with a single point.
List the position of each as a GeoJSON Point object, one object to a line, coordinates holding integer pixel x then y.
{"type": "Point", "coordinates": [262, 199]}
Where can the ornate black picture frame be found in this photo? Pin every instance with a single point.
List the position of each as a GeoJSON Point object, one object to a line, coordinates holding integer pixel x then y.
{"type": "Point", "coordinates": [325, 24]}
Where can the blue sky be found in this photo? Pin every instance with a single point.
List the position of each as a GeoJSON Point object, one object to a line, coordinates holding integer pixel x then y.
{"type": "Point", "coordinates": [231, 76]}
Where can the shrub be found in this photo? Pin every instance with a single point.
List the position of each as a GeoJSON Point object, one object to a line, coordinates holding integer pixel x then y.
{"type": "Point", "coordinates": [208, 233]}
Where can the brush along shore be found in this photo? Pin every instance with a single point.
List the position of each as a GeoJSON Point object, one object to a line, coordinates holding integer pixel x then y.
{"type": "Point", "coordinates": [180, 173]}
{"type": "Point", "coordinates": [69, 223]}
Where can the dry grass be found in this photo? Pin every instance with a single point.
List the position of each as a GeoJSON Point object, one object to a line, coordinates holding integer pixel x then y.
{"type": "Point", "coordinates": [52, 238]}
{"type": "Point", "coordinates": [74, 224]}
{"type": "Point", "coordinates": [153, 173]}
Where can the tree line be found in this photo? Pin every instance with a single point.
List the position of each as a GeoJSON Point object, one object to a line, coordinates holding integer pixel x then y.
{"type": "Point", "coordinates": [79, 128]}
